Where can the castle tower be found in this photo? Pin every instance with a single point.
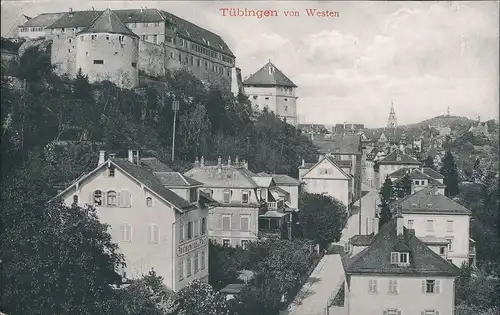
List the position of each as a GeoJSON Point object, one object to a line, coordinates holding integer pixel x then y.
{"type": "Point", "coordinates": [392, 122]}
{"type": "Point", "coordinates": [109, 50]}
{"type": "Point", "coordinates": [270, 88]}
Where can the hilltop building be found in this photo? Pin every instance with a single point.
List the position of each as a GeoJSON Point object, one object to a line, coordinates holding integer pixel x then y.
{"type": "Point", "coordinates": [13, 33]}
{"type": "Point", "coordinates": [147, 41]}
{"type": "Point", "coordinates": [154, 226]}
{"type": "Point", "coordinates": [270, 88]}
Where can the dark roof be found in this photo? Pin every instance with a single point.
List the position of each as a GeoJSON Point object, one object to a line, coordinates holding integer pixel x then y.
{"type": "Point", "coordinates": [155, 165]}
{"type": "Point", "coordinates": [108, 22]}
{"type": "Point", "coordinates": [175, 179]}
{"type": "Point", "coordinates": [433, 173]}
{"type": "Point", "coordinates": [197, 34]}
{"type": "Point", "coordinates": [376, 258]}
{"type": "Point", "coordinates": [285, 180]}
{"type": "Point", "coordinates": [340, 144]}
{"type": "Point", "coordinates": [140, 15]}
{"type": "Point", "coordinates": [429, 200]}
{"type": "Point", "coordinates": [432, 152]}
{"type": "Point", "coordinates": [269, 75]}
{"type": "Point", "coordinates": [392, 159]}
{"type": "Point", "coordinates": [344, 163]}
{"type": "Point", "coordinates": [42, 20]}
{"type": "Point", "coordinates": [146, 177]}
{"type": "Point", "coordinates": [75, 19]}
{"type": "Point", "coordinates": [209, 200]}
{"type": "Point", "coordinates": [362, 240]}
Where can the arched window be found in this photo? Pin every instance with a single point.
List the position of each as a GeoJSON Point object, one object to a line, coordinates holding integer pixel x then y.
{"type": "Point", "coordinates": [111, 200]}
{"type": "Point", "coordinates": [75, 199]}
{"type": "Point", "coordinates": [154, 233]}
{"type": "Point", "coordinates": [149, 202]}
{"type": "Point", "coordinates": [203, 226]}
{"type": "Point", "coordinates": [126, 232]}
{"type": "Point", "coordinates": [98, 198]}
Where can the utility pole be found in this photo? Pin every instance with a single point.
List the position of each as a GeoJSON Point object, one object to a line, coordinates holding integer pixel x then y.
{"type": "Point", "coordinates": [175, 108]}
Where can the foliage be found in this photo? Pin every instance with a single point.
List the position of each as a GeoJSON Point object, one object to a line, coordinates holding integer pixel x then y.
{"type": "Point", "coordinates": [403, 186]}
{"type": "Point", "coordinates": [199, 298]}
{"type": "Point", "coordinates": [322, 218]}
{"type": "Point", "coordinates": [477, 172]}
{"type": "Point", "coordinates": [450, 173]}
{"type": "Point", "coordinates": [463, 309]}
{"type": "Point", "coordinates": [224, 265]}
{"type": "Point", "coordinates": [387, 195]}
{"type": "Point", "coordinates": [429, 162]}
{"type": "Point", "coordinates": [477, 288]}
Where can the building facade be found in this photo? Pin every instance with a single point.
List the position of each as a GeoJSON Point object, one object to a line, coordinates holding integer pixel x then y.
{"type": "Point", "coordinates": [270, 89]}
{"type": "Point", "coordinates": [166, 43]}
{"type": "Point", "coordinates": [391, 163]}
{"type": "Point", "coordinates": [153, 226]}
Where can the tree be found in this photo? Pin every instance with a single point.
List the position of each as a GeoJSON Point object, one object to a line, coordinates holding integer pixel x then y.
{"type": "Point", "coordinates": [477, 172]}
{"type": "Point", "coordinates": [403, 186]}
{"type": "Point", "coordinates": [199, 298]}
{"type": "Point", "coordinates": [322, 218]}
{"type": "Point", "coordinates": [387, 196]}
{"type": "Point", "coordinates": [450, 173]}
{"type": "Point", "coordinates": [429, 162]}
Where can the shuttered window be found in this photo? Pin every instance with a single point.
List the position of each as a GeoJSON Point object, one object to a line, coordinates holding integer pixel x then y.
{"type": "Point", "coordinates": [226, 223]}
{"type": "Point", "coordinates": [126, 232]}
{"type": "Point", "coordinates": [245, 220]}
{"type": "Point", "coordinates": [153, 234]}
{"type": "Point", "coordinates": [373, 286]}
{"type": "Point", "coordinates": [181, 269]}
{"type": "Point", "coordinates": [124, 199]}
{"type": "Point", "coordinates": [188, 267]}
{"type": "Point", "coordinates": [202, 259]}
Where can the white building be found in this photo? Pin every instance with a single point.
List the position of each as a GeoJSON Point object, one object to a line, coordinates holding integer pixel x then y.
{"type": "Point", "coordinates": [434, 216]}
{"type": "Point", "coordinates": [153, 226]}
{"type": "Point", "coordinates": [396, 274]}
{"type": "Point", "coordinates": [270, 88]}
{"type": "Point", "coordinates": [328, 176]}
{"type": "Point", "coordinates": [420, 178]}
{"type": "Point", "coordinates": [391, 163]}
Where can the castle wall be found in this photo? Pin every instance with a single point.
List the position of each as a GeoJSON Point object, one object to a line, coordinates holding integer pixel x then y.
{"type": "Point", "coordinates": [110, 57]}
{"type": "Point", "coordinates": [151, 59]}
{"type": "Point", "coordinates": [63, 54]}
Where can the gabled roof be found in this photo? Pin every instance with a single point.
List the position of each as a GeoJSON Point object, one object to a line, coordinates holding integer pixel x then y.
{"type": "Point", "coordinates": [223, 176]}
{"type": "Point", "coordinates": [340, 144]}
{"type": "Point", "coordinates": [263, 181]}
{"type": "Point", "coordinates": [285, 180]}
{"type": "Point", "coordinates": [75, 19]}
{"type": "Point", "coordinates": [392, 159]}
{"type": "Point", "coordinates": [42, 20]}
{"type": "Point", "coordinates": [362, 240]}
{"type": "Point", "coordinates": [376, 258]}
{"type": "Point", "coordinates": [279, 190]}
{"type": "Point", "coordinates": [332, 161]}
{"type": "Point", "coordinates": [155, 165]}
{"type": "Point", "coordinates": [429, 200]}
{"type": "Point", "coordinates": [176, 179]}
{"type": "Point", "coordinates": [269, 75]}
{"type": "Point", "coordinates": [108, 22]}
{"type": "Point", "coordinates": [433, 173]}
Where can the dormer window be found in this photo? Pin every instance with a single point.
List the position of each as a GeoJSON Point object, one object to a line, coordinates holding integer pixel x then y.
{"type": "Point", "coordinates": [400, 258]}
{"type": "Point", "coordinates": [227, 196]}
{"type": "Point", "coordinates": [245, 197]}
{"type": "Point", "coordinates": [193, 195]}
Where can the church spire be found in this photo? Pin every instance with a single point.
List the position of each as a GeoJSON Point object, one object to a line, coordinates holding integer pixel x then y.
{"type": "Point", "coordinates": [392, 122]}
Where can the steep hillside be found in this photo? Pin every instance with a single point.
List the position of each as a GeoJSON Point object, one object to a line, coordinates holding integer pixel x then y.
{"type": "Point", "coordinates": [442, 121]}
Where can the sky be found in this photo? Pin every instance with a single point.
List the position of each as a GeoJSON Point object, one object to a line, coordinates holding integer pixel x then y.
{"type": "Point", "coordinates": [421, 56]}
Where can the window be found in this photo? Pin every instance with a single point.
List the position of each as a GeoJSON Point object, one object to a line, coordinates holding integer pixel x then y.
{"type": "Point", "coordinates": [154, 233]}
{"type": "Point", "coordinates": [97, 198]}
{"type": "Point", "coordinates": [245, 197]}
{"type": "Point", "coordinates": [226, 222]}
{"type": "Point", "coordinates": [255, 97]}
{"type": "Point", "coordinates": [429, 225]}
{"type": "Point", "coordinates": [203, 226]}
{"type": "Point", "coordinates": [244, 221]}
{"type": "Point", "coordinates": [226, 242]}
{"type": "Point", "coordinates": [196, 265]}
{"type": "Point", "coordinates": [450, 243]}
{"type": "Point", "coordinates": [181, 269]}
{"type": "Point", "coordinates": [286, 108]}
{"type": "Point", "coordinates": [392, 311]}
{"type": "Point", "coordinates": [188, 267]}
{"type": "Point", "coordinates": [107, 37]}
{"type": "Point", "coordinates": [410, 224]}
{"type": "Point", "coordinates": [111, 171]}
{"type": "Point", "coordinates": [373, 286]}
{"type": "Point", "coordinates": [227, 196]}
{"type": "Point", "coordinates": [393, 286]}
{"type": "Point", "coordinates": [198, 62]}
{"type": "Point", "coordinates": [403, 258]}
{"type": "Point", "coordinates": [442, 250]}
{"type": "Point", "coordinates": [134, 65]}
{"type": "Point", "coordinates": [196, 228]}
{"type": "Point", "coordinates": [126, 232]}
{"type": "Point", "coordinates": [398, 258]}
{"type": "Point", "coordinates": [149, 202]}
{"type": "Point", "coordinates": [180, 58]}
{"type": "Point", "coordinates": [111, 198]}
{"type": "Point", "coordinates": [449, 226]}
{"type": "Point", "coordinates": [144, 37]}
{"type": "Point", "coordinates": [75, 199]}
{"type": "Point", "coordinates": [202, 259]}
{"type": "Point", "coordinates": [181, 233]}
{"type": "Point", "coordinates": [69, 40]}
{"type": "Point", "coordinates": [190, 230]}
{"type": "Point", "coordinates": [156, 24]}
{"type": "Point", "coordinates": [430, 312]}
{"type": "Point", "coordinates": [124, 199]}
{"type": "Point", "coordinates": [244, 243]}
{"type": "Point", "coordinates": [172, 54]}
{"type": "Point", "coordinates": [267, 98]}
{"type": "Point", "coordinates": [193, 194]}
{"type": "Point", "coordinates": [430, 286]}
{"type": "Point", "coordinates": [82, 38]}
{"type": "Point", "coordinates": [98, 62]}
{"type": "Point", "coordinates": [121, 38]}
{"type": "Point", "coordinates": [192, 60]}
{"type": "Point", "coordinates": [146, 25]}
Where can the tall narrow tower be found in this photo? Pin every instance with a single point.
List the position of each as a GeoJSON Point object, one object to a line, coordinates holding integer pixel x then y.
{"type": "Point", "coordinates": [392, 122]}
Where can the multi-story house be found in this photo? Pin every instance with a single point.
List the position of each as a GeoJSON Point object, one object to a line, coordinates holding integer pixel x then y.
{"type": "Point", "coordinates": [420, 178]}
{"type": "Point", "coordinates": [166, 42]}
{"type": "Point", "coordinates": [249, 205]}
{"type": "Point", "coordinates": [434, 216]}
{"type": "Point", "coordinates": [330, 176]}
{"type": "Point", "coordinates": [344, 128]}
{"type": "Point", "coordinates": [396, 273]}
{"type": "Point", "coordinates": [270, 88]}
{"type": "Point", "coordinates": [391, 163]}
{"type": "Point", "coordinates": [153, 226]}
{"type": "Point", "coordinates": [345, 148]}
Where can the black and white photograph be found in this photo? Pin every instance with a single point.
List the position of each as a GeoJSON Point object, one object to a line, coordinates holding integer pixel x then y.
{"type": "Point", "coordinates": [249, 157]}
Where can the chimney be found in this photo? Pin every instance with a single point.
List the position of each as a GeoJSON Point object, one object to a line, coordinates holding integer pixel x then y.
{"type": "Point", "coordinates": [112, 155]}
{"type": "Point", "coordinates": [303, 163]}
{"type": "Point", "coordinates": [229, 161]}
{"type": "Point", "coordinates": [375, 225]}
{"type": "Point", "coordinates": [137, 158]}
{"type": "Point", "coordinates": [196, 162]}
{"type": "Point", "coordinates": [102, 157]}
{"type": "Point", "coordinates": [320, 157]}
{"type": "Point", "coordinates": [202, 161]}
{"type": "Point", "coordinates": [131, 156]}
{"type": "Point", "coordinates": [399, 220]}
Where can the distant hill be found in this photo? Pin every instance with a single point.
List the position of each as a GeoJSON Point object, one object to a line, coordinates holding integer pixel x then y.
{"type": "Point", "coordinates": [442, 121]}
